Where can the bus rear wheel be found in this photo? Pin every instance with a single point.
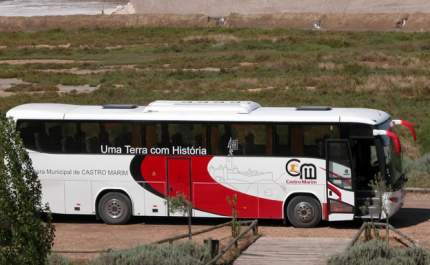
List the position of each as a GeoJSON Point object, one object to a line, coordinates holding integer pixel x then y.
{"type": "Point", "coordinates": [115, 208]}
{"type": "Point", "coordinates": [304, 212]}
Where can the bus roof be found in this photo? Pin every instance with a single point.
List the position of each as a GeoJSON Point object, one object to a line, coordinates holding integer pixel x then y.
{"type": "Point", "coordinates": [234, 111]}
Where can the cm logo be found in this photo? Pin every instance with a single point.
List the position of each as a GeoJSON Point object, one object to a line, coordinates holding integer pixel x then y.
{"type": "Point", "coordinates": [307, 171]}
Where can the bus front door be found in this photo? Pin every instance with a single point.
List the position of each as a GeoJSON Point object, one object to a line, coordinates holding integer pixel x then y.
{"type": "Point", "coordinates": [340, 181]}
{"type": "Point", "coordinates": [179, 177]}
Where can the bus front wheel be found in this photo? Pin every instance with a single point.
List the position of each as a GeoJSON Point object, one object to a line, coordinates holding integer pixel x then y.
{"type": "Point", "coordinates": [115, 208]}
{"type": "Point", "coordinates": [304, 212]}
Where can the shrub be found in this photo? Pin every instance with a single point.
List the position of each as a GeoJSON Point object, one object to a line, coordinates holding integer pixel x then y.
{"type": "Point", "coordinates": [24, 238]}
{"type": "Point", "coordinates": [32, 88]}
{"type": "Point", "coordinates": [180, 204]}
{"type": "Point", "coordinates": [8, 74]}
{"type": "Point", "coordinates": [424, 134]}
{"type": "Point", "coordinates": [57, 259]}
{"type": "Point", "coordinates": [418, 171]}
{"type": "Point", "coordinates": [379, 252]}
{"type": "Point", "coordinates": [174, 254]}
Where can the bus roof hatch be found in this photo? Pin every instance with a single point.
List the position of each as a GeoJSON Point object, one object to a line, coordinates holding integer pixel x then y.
{"type": "Point", "coordinates": [119, 106]}
{"type": "Point", "coordinates": [228, 107]}
{"type": "Point", "coordinates": [314, 108]}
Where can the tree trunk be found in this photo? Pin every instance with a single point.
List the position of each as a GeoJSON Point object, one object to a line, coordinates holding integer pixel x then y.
{"type": "Point", "coordinates": [189, 222]}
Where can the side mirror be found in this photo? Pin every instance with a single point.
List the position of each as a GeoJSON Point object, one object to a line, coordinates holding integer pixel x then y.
{"type": "Point", "coordinates": [391, 135]}
{"type": "Point", "coordinates": [405, 123]}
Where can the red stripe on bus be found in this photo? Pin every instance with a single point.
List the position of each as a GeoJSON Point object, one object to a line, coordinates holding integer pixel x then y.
{"type": "Point", "coordinates": [335, 190]}
{"type": "Point", "coordinates": [206, 193]}
{"type": "Point", "coordinates": [325, 210]}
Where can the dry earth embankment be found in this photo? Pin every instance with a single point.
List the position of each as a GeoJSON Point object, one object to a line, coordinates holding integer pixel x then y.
{"type": "Point", "coordinates": [341, 21]}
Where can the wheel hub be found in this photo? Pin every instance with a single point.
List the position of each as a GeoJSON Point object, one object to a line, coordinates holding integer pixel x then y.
{"type": "Point", "coordinates": [114, 208]}
{"type": "Point", "coordinates": [304, 212]}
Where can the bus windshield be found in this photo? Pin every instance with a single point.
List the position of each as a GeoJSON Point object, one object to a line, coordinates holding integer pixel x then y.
{"type": "Point", "coordinates": [393, 160]}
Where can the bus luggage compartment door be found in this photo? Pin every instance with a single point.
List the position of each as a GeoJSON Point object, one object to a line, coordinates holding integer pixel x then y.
{"type": "Point", "coordinates": [78, 197]}
{"type": "Point", "coordinates": [340, 181]}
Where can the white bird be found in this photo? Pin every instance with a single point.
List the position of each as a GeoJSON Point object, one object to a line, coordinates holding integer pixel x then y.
{"type": "Point", "coordinates": [400, 24]}
{"type": "Point", "coordinates": [221, 21]}
{"type": "Point", "coordinates": [317, 25]}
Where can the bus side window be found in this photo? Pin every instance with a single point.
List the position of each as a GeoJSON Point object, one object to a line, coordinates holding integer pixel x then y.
{"type": "Point", "coordinates": [177, 139]}
{"type": "Point", "coordinates": [136, 135]}
{"type": "Point", "coordinates": [171, 136]}
{"type": "Point", "coordinates": [314, 137]}
{"type": "Point", "coordinates": [165, 136]}
{"type": "Point", "coordinates": [252, 139]}
{"type": "Point", "coordinates": [214, 139]}
{"type": "Point", "coordinates": [297, 148]}
{"type": "Point", "coordinates": [69, 145]}
{"type": "Point", "coordinates": [109, 137]}
{"type": "Point", "coordinates": [61, 137]}
{"type": "Point", "coordinates": [269, 140]}
{"type": "Point", "coordinates": [55, 137]}
{"type": "Point", "coordinates": [41, 138]}
{"type": "Point", "coordinates": [49, 137]}
{"type": "Point", "coordinates": [224, 139]}
{"type": "Point", "coordinates": [200, 139]}
{"type": "Point", "coordinates": [282, 139]}
{"type": "Point", "coordinates": [89, 137]}
{"type": "Point", "coordinates": [150, 135]}
{"type": "Point", "coordinates": [249, 146]}
{"type": "Point", "coordinates": [27, 132]}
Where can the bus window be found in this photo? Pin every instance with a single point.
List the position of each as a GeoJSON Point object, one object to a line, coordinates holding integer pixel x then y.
{"type": "Point", "coordinates": [51, 137]}
{"type": "Point", "coordinates": [296, 132]}
{"type": "Point", "coordinates": [253, 139]}
{"type": "Point", "coordinates": [171, 136]}
{"type": "Point", "coordinates": [68, 142]}
{"type": "Point", "coordinates": [282, 136]}
{"type": "Point", "coordinates": [109, 137]}
{"type": "Point", "coordinates": [314, 137]}
{"type": "Point", "coordinates": [214, 139]}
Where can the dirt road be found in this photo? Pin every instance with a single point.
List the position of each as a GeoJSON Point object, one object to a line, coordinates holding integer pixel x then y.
{"type": "Point", "coordinates": [84, 232]}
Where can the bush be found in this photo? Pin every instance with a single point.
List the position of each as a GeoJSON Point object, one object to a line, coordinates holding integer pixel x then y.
{"type": "Point", "coordinates": [32, 88]}
{"type": "Point", "coordinates": [174, 254]}
{"type": "Point", "coordinates": [57, 259]}
{"type": "Point", "coordinates": [424, 134]}
{"type": "Point", "coordinates": [24, 238]}
{"type": "Point", "coordinates": [8, 74]}
{"type": "Point", "coordinates": [418, 171]}
{"type": "Point", "coordinates": [379, 252]}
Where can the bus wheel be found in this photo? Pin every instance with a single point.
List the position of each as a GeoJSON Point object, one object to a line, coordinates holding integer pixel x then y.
{"type": "Point", "coordinates": [115, 208]}
{"type": "Point", "coordinates": [304, 212]}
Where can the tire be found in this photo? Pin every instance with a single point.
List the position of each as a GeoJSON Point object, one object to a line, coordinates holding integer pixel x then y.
{"type": "Point", "coordinates": [304, 212]}
{"type": "Point", "coordinates": [115, 208]}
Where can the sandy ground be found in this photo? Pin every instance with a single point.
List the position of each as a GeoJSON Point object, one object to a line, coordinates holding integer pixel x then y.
{"type": "Point", "coordinates": [84, 232]}
{"type": "Point", "coordinates": [226, 7]}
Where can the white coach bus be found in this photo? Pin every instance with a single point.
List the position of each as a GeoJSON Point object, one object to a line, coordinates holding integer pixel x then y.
{"type": "Point", "coordinates": [302, 164]}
